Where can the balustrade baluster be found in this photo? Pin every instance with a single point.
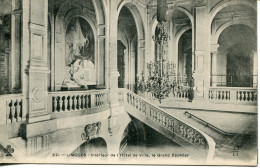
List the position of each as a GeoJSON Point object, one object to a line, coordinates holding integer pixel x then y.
{"type": "Point", "coordinates": [242, 96]}
{"type": "Point", "coordinates": [65, 103]}
{"type": "Point", "coordinates": [59, 103]}
{"type": "Point", "coordinates": [83, 101]}
{"type": "Point", "coordinates": [158, 117]}
{"type": "Point", "coordinates": [86, 101]}
{"type": "Point", "coordinates": [62, 103]}
{"type": "Point", "coordinates": [101, 99]}
{"type": "Point", "coordinates": [20, 109]}
{"type": "Point", "coordinates": [161, 118]}
{"type": "Point", "coordinates": [12, 108]}
{"type": "Point", "coordinates": [249, 96]}
{"type": "Point", "coordinates": [15, 110]}
{"type": "Point", "coordinates": [228, 95]}
{"type": "Point", "coordinates": [54, 104]}
{"type": "Point", "coordinates": [166, 122]}
{"type": "Point", "coordinates": [70, 103]}
{"type": "Point", "coordinates": [220, 95]}
{"type": "Point", "coordinates": [144, 107]}
{"type": "Point", "coordinates": [96, 100]}
{"type": "Point", "coordinates": [77, 102]}
{"type": "Point", "coordinates": [80, 102]}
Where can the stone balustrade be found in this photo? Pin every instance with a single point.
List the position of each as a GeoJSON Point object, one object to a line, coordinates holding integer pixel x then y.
{"type": "Point", "coordinates": [177, 127]}
{"type": "Point", "coordinates": [11, 108]}
{"type": "Point", "coordinates": [232, 94]}
{"type": "Point", "coordinates": [181, 93]}
{"type": "Point", "coordinates": [64, 101]}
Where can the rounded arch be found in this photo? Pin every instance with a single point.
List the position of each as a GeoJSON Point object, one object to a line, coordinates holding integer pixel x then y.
{"type": "Point", "coordinates": [100, 11]}
{"type": "Point", "coordinates": [96, 145]}
{"type": "Point", "coordinates": [216, 35]}
{"type": "Point", "coordinates": [97, 22]}
{"type": "Point", "coordinates": [185, 11]}
{"type": "Point", "coordinates": [134, 134]}
{"type": "Point", "coordinates": [76, 13]}
{"type": "Point", "coordinates": [214, 11]}
{"type": "Point", "coordinates": [178, 36]}
{"type": "Point", "coordinates": [183, 30]}
{"type": "Point", "coordinates": [135, 11]}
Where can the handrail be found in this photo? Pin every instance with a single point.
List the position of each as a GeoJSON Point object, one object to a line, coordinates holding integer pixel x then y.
{"type": "Point", "coordinates": [208, 124]}
{"type": "Point", "coordinates": [179, 128]}
{"type": "Point", "coordinates": [78, 91]}
{"type": "Point", "coordinates": [233, 88]}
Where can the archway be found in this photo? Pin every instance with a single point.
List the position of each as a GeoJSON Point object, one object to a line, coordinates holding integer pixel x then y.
{"type": "Point", "coordinates": [185, 58]}
{"type": "Point", "coordinates": [236, 58]}
{"type": "Point", "coordinates": [134, 137]}
{"type": "Point", "coordinates": [130, 56]}
{"type": "Point", "coordinates": [230, 49]}
{"type": "Point", "coordinates": [93, 12]}
{"type": "Point", "coordinates": [182, 17]}
{"type": "Point", "coordinates": [94, 146]}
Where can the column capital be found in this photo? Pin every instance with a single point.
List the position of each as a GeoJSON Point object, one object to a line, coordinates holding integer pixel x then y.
{"type": "Point", "coordinates": [214, 48]}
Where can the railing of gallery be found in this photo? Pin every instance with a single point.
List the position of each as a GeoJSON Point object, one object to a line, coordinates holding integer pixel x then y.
{"type": "Point", "coordinates": [11, 108]}
{"type": "Point", "coordinates": [78, 100]}
{"type": "Point", "coordinates": [234, 80]}
{"type": "Point", "coordinates": [179, 93]}
{"type": "Point", "coordinates": [184, 131]}
{"type": "Point", "coordinates": [245, 95]}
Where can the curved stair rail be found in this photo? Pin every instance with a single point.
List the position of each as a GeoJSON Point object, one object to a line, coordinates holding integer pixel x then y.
{"type": "Point", "coordinates": [171, 127]}
{"type": "Point", "coordinates": [210, 125]}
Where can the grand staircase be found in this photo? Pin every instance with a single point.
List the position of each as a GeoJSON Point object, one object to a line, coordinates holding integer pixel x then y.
{"type": "Point", "coordinates": [171, 127]}
{"type": "Point", "coordinates": [181, 126]}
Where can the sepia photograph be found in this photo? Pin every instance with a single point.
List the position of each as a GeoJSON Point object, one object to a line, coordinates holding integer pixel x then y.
{"type": "Point", "coordinates": [129, 82]}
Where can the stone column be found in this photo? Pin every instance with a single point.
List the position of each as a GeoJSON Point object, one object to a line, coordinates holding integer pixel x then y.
{"type": "Point", "coordinates": [214, 53]}
{"type": "Point", "coordinates": [214, 69]}
{"type": "Point", "coordinates": [202, 55]}
{"type": "Point", "coordinates": [112, 63]}
{"type": "Point", "coordinates": [15, 68]}
{"type": "Point", "coordinates": [35, 27]}
{"type": "Point", "coordinates": [255, 70]}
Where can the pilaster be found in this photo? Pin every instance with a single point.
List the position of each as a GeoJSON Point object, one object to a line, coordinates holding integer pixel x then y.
{"type": "Point", "coordinates": [113, 72]}
{"type": "Point", "coordinates": [202, 55]}
{"type": "Point", "coordinates": [36, 68]}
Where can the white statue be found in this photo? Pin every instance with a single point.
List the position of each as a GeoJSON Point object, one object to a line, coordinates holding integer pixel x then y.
{"type": "Point", "coordinates": [75, 41]}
